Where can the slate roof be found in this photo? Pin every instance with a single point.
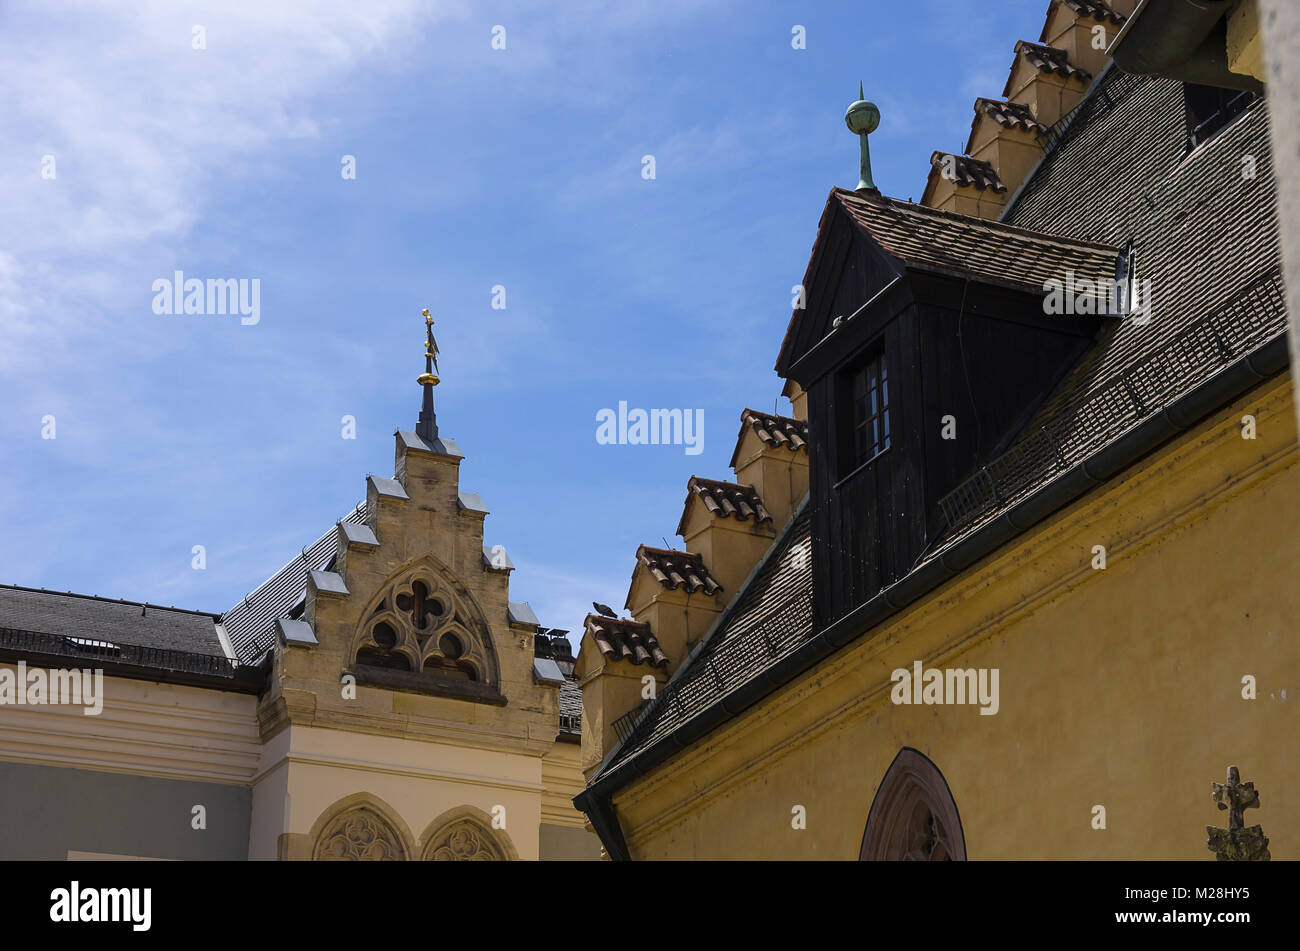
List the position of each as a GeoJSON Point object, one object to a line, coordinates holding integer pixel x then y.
{"type": "Point", "coordinates": [560, 650]}
{"type": "Point", "coordinates": [625, 639]}
{"type": "Point", "coordinates": [1206, 238]}
{"type": "Point", "coordinates": [251, 623]}
{"type": "Point", "coordinates": [1115, 170]}
{"type": "Point", "coordinates": [726, 500]}
{"type": "Point", "coordinates": [104, 619]}
{"type": "Point", "coordinates": [676, 569]}
{"type": "Point", "coordinates": [966, 171]}
{"type": "Point", "coordinates": [963, 245]}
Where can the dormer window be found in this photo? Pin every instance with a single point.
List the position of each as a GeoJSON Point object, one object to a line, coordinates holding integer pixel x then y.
{"type": "Point", "coordinates": [868, 419]}
{"type": "Point", "coordinates": [1210, 109]}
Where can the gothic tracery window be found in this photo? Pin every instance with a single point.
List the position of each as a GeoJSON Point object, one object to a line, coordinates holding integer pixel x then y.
{"type": "Point", "coordinates": [463, 841]}
{"type": "Point", "coordinates": [913, 817]}
{"type": "Point", "coordinates": [359, 835]}
{"type": "Point", "coordinates": [425, 623]}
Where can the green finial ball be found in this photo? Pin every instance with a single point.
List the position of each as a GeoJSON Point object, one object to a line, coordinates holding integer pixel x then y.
{"type": "Point", "coordinates": [862, 117]}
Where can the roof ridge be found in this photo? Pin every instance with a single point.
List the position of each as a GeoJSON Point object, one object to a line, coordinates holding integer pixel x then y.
{"type": "Point", "coordinates": [994, 223]}
{"type": "Point", "coordinates": [96, 597]}
{"type": "Point", "coordinates": [290, 563]}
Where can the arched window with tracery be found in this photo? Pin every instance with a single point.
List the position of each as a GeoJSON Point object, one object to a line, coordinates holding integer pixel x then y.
{"type": "Point", "coordinates": [359, 834]}
{"type": "Point", "coordinates": [914, 816]}
{"type": "Point", "coordinates": [424, 622]}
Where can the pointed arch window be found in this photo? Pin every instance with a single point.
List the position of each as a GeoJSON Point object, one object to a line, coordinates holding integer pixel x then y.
{"type": "Point", "coordinates": [425, 632]}
{"type": "Point", "coordinates": [914, 816]}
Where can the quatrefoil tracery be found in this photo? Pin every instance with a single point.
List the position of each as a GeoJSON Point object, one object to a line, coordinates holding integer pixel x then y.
{"type": "Point", "coordinates": [421, 625]}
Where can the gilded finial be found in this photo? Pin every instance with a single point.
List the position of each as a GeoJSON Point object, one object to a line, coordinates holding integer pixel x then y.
{"type": "Point", "coordinates": [427, 427]}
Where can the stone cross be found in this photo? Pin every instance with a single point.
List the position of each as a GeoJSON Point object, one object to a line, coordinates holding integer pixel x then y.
{"type": "Point", "coordinates": [1237, 843]}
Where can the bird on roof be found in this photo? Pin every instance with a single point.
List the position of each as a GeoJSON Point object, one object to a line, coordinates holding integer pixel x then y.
{"type": "Point", "coordinates": [603, 609]}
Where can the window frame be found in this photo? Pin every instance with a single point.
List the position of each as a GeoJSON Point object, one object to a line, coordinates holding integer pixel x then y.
{"type": "Point", "coordinates": [852, 455]}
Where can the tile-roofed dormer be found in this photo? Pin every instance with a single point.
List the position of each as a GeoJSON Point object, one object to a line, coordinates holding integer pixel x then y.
{"type": "Point", "coordinates": [1007, 138]}
{"type": "Point", "coordinates": [771, 455]}
{"type": "Point", "coordinates": [1045, 79]}
{"type": "Point", "coordinates": [1014, 115]}
{"type": "Point", "coordinates": [965, 171]}
{"type": "Point", "coordinates": [1095, 9]}
{"type": "Point", "coordinates": [624, 639]}
{"type": "Point", "coordinates": [782, 432]}
{"type": "Point", "coordinates": [725, 500]}
{"type": "Point", "coordinates": [676, 569]}
{"type": "Point", "coordinates": [1083, 30]}
{"type": "Point", "coordinates": [1049, 59]}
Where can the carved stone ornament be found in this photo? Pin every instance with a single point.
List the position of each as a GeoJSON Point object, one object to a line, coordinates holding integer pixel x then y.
{"type": "Point", "coordinates": [359, 835]}
{"type": "Point", "coordinates": [463, 841]}
{"type": "Point", "coordinates": [1237, 843]}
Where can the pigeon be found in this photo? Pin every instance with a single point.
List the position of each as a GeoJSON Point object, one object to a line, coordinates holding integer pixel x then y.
{"type": "Point", "coordinates": [604, 609]}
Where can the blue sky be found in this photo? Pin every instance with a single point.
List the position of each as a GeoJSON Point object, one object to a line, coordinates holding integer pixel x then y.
{"type": "Point", "coordinates": [475, 167]}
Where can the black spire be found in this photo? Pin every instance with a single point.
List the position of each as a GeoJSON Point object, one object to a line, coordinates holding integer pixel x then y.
{"type": "Point", "coordinates": [427, 427]}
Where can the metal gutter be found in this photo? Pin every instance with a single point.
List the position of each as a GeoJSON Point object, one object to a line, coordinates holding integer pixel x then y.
{"type": "Point", "coordinates": [1184, 40]}
{"type": "Point", "coordinates": [1233, 381]}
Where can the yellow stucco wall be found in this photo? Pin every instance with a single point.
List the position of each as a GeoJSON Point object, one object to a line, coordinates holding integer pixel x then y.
{"type": "Point", "coordinates": [1119, 687]}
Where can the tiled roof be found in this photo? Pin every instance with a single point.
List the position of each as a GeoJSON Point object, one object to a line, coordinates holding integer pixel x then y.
{"type": "Point", "coordinates": [961, 244]}
{"type": "Point", "coordinates": [677, 569]}
{"type": "Point", "coordinates": [773, 430]}
{"type": "Point", "coordinates": [1049, 59]}
{"type": "Point", "coordinates": [1014, 115]}
{"type": "Point", "coordinates": [625, 639]}
{"type": "Point", "coordinates": [966, 171]}
{"type": "Point", "coordinates": [131, 623]}
{"type": "Point", "coordinates": [1206, 237]}
{"type": "Point", "coordinates": [726, 500]}
{"type": "Point", "coordinates": [251, 622]}
{"type": "Point", "coordinates": [1096, 9]}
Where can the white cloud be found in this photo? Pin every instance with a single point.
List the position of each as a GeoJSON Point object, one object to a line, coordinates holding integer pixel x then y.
{"type": "Point", "coordinates": [141, 125]}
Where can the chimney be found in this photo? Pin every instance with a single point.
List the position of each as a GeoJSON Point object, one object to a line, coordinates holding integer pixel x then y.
{"type": "Point", "coordinates": [1044, 79]}
{"type": "Point", "coordinates": [728, 526]}
{"type": "Point", "coordinates": [798, 399]}
{"type": "Point", "coordinates": [675, 594]}
{"type": "Point", "coordinates": [1084, 29]}
{"type": "Point", "coordinates": [964, 185]}
{"type": "Point", "coordinates": [1008, 137]}
{"type": "Point", "coordinates": [771, 455]}
{"type": "Point", "coordinates": [615, 659]}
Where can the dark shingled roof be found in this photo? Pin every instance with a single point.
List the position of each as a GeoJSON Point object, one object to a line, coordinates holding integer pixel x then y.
{"type": "Point", "coordinates": [964, 245]}
{"type": "Point", "coordinates": [966, 171]}
{"type": "Point", "coordinates": [1205, 236]}
{"type": "Point", "coordinates": [726, 500]}
{"type": "Point", "coordinates": [625, 639]}
{"type": "Point", "coordinates": [676, 569]}
{"type": "Point", "coordinates": [251, 622]}
{"type": "Point", "coordinates": [104, 619]}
